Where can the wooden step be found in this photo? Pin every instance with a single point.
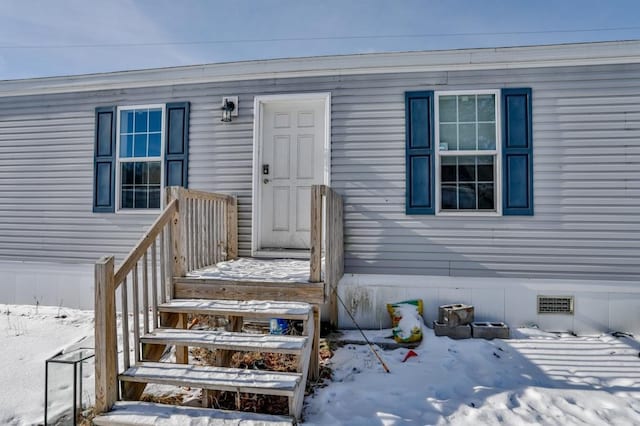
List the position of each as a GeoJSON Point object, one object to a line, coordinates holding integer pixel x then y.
{"type": "Point", "coordinates": [130, 413]}
{"type": "Point", "coordinates": [213, 339]}
{"type": "Point", "coordinates": [215, 378]}
{"type": "Point", "coordinates": [246, 308]}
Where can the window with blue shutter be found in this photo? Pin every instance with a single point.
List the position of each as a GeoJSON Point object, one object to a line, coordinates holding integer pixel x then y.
{"type": "Point", "coordinates": [419, 153]}
{"type": "Point", "coordinates": [517, 152]}
{"type": "Point", "coordinates": [467, 161]}
{"type": "Point", "coordinates": [134, 147]}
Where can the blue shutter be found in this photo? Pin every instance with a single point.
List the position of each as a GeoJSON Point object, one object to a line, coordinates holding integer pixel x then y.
{"type": "Point", "coordinates": [419, 160]}
{"type": "Point", "coordinates": [517, 152]}
{"type": "Point", "coordinates": [104, 161]}
{"type": "Point", "coordinates": [176, 157]}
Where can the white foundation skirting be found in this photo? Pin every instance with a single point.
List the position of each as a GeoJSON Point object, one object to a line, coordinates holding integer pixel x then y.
{"type": "Point", "coordinates": [599, 306]}
{"type": "Point", "coordinates": [53, 284]}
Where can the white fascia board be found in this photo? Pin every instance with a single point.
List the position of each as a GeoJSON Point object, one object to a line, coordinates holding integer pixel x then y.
{"type": "Point", "coordinates": [602, 53]}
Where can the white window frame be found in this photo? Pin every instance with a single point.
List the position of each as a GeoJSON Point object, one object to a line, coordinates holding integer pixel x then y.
{"type": "Point", "coordinates": [118, 192]}
{"type": "Point", "coordinates": [497, 152]}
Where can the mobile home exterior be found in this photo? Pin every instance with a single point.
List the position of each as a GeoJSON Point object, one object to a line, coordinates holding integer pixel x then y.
{"type": "Point", "coordinates": [483, 176]}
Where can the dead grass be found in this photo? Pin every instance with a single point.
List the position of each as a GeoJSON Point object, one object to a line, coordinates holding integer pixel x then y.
{"type": "Point", "coordinates": [268, 404]}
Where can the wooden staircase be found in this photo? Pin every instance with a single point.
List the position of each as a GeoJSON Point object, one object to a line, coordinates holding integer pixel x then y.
{"type": "Point", "coordinates": [198, 229]}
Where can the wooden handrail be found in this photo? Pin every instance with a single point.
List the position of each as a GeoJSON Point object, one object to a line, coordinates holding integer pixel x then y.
{"type": "Point", "coordinates": [203, 195]}
{"type": "Point", "coordinates": [145, 242]}
{"type": "Point", "coordinates": [195, 229]}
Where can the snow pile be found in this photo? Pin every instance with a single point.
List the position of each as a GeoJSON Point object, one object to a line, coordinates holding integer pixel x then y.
{"type": "Point", "coordinates": [536, 378]}
{"type": "Point", "coordinates": [29, 336]}
{"type": "Point", "coordinates": [253, 269]}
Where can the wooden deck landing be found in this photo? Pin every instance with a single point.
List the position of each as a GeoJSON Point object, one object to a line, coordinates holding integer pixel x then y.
{"type": "Point", "coordinates": [252, 279]}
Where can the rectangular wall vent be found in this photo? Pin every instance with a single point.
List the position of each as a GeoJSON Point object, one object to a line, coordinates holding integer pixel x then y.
{"type": "Point", "coordinates": [555, 305]}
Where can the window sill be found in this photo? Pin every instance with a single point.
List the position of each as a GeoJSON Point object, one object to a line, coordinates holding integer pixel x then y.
{"type": "Point", "coordinates": [139, 211]}
{"type": "Point", "coordinates": [469, 214]}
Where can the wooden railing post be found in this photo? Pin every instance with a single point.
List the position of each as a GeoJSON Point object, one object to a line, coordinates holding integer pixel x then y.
{"type": "Point", "coordinates": [315, 259]}
{"type": "Point", "coordinates": [106, 363]}
{"type": "Point", "coordinates": [178, 235]}
{"type": "Point", "coordinates": [232, 228]}
{"type": "Point", "coordinates": [334, 252]}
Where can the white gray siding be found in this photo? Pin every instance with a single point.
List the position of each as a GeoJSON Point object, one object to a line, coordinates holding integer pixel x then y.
{"type": "Point", "coordinates": [586, 180]}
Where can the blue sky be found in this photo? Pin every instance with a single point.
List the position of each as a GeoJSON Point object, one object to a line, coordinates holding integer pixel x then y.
{"type": "Point", "coordinates": [41, 38]}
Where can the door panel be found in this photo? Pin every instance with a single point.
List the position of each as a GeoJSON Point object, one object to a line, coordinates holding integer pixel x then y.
{"type": "Point", "coordinates": [293, 148]}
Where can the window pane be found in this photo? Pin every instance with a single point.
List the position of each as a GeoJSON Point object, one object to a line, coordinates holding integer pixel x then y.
{"type": "Point", "coordinates": [140, 146]}
{"type": "Point", "coordinates": [467, 138]}
{"type": "Point", "coordinates": [126, 122]}
{"type": "Point", "coordinates": [486, 136]}
{"type": "Point", "coordinates": [141, 173]}
{"type": "Point", "coordinates": [154, 197]}
{"type": "Point", "coordinates": [448, 137]}
{"type": "Point", "coordinates": [141, 121]}
{"type": "Point", "coordinates": [154, 172]}
{"type": "Point", "coordinates": [466, 169]}
{"type": "Point", "coordinates": [449, 197]}
{"type": "Point", "coordinates": [447, 111]}
{"type": "Point", "coordinates": [140, 201]}
{"type": "Point", "coordinates": [155, 120]}
{"type": "Point", "coordinates": [467, 108]}
{"type": "Point", "coordinates": [127, 199]}
{"type": "Point", "coordinates": [448, 169]}
{"type": "Point", "coordinates": [154, 144]}
{"type": "Point", "coordinates": [126, 175]}
{"type": "Point", "coordinates": [467, 196]}
{"type": "Point", "coordinates": [126, 146]}
{"type": "Point", "coordinates": [486, 108]}
{"type": "Point", "coordinates": [485, 168]}
{"type": "Point", "coordinates": [486, 197]}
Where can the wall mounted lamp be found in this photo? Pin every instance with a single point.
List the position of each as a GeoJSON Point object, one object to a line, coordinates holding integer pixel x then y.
{"type": "Point", "coordinates": [229, 108]}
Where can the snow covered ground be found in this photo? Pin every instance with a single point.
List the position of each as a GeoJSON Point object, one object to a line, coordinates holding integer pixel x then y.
{"type": "Point", "coordinates": [534, 378]}
{"type": "Point", "coordinates": [251, 269]}
{"type": "Point", "coordinates": [29, 335]}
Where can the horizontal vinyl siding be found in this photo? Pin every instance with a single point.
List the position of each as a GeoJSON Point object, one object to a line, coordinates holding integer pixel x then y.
{"type": "Point", "coordinates": [586, 183]}
{"type": "Point", "coordinates": [586, 160]}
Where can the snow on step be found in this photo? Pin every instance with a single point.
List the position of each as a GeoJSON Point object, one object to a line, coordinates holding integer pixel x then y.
{"type": "Point", "coordinates": [227, 340]}
{"type": "Point", "coordinates": [253, 308]}
{"type": "Point", "coordinates": [131, 413]}
{"type": "Point", "coordinates": [218, 378]}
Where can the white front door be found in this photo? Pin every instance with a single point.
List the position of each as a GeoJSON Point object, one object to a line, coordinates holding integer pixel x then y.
{"type": "Point", "coordinates": [292, 159]}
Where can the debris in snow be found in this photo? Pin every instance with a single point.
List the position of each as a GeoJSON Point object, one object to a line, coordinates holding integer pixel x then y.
{"type": "Point", "coordinates": [407, 320]}
{"type": "Point", "coordinates": [409, 354]}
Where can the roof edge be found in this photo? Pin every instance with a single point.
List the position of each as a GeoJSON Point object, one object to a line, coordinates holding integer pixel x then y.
{"type": "Point", "coordinates": [592, 53]}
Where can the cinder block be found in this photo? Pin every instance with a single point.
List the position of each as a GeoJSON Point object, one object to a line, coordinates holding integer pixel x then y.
{"type": "Point", "coordinates": [456, 314]}
{"type": "Point", "coordinates": [455, 332]}
{"type": "Point", "coordinates": [489, 330]}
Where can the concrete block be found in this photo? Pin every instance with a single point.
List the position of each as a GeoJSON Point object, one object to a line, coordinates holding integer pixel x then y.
{"type": "Point", "coordinates": [456, 314]}
{"type": "Point", "coordinates": [489, 330]}
{"type": "Point", "coordinates": [455, 332]}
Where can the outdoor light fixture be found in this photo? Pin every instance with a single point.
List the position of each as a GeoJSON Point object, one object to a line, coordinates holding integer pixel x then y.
{"type": "Point", "coordinates": [229, 108]}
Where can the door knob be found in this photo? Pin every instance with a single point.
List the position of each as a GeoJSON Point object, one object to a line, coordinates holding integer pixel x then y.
{"type": "Point", "coordinates": [265, 180]}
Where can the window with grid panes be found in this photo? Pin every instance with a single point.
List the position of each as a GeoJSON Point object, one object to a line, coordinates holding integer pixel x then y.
{"type": "Point", "coordinates": [140, 135]}
{"type": "Point", "coordinates": [468, 152]}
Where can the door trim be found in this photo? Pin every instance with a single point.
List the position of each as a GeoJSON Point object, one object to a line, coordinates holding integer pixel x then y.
{"type": "Point", "coordinates": [256, 187]}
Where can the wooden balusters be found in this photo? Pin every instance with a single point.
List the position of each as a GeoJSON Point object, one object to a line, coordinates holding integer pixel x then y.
{"type": "Point", "coordinates": [126, 355]}
{"type": "Point", "coordinates": [196, 229]}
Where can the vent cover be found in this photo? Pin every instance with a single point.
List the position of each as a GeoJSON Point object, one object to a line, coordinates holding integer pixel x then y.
{"type": "Point", "coordinates": [555, 305]}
